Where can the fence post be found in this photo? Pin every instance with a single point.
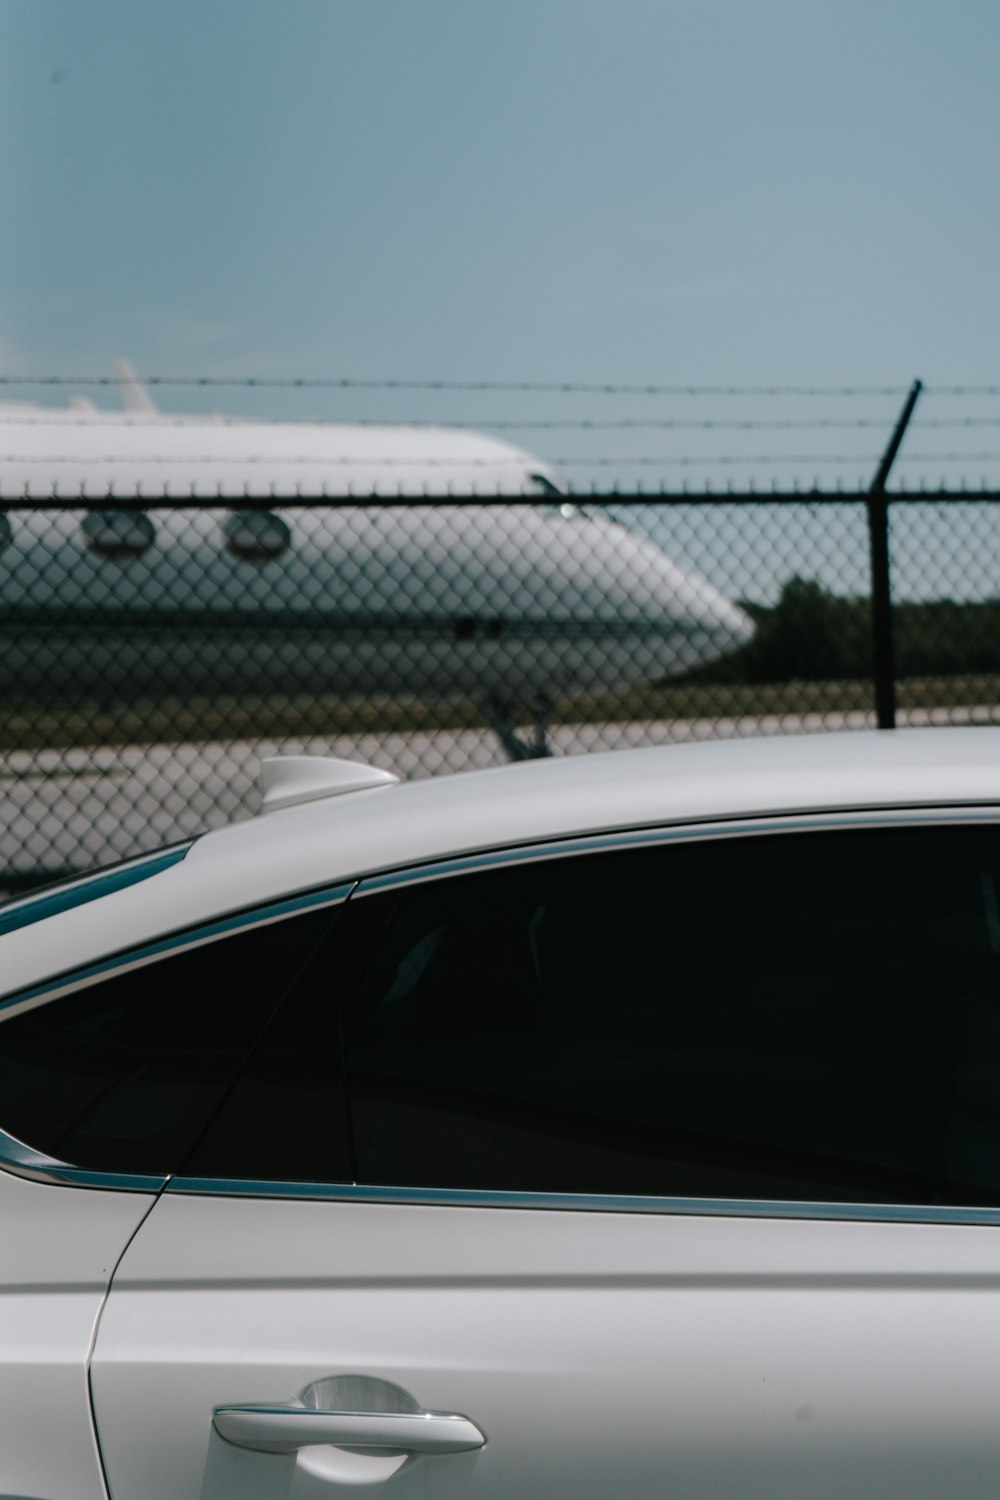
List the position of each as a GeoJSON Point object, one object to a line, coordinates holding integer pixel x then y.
{"type": "Point", "coordinates": [883, 663]}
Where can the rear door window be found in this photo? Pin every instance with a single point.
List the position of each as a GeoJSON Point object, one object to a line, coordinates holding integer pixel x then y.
{"type": "Point", "coordinates": [811, 1016]}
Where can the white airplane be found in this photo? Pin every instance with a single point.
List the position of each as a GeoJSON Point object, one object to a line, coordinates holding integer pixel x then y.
{"type": "Point", "coordinates": [513, 604]}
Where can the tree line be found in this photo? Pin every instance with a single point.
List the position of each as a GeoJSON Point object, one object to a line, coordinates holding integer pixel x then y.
{"type": "Point", "coordinates": [812, 634]}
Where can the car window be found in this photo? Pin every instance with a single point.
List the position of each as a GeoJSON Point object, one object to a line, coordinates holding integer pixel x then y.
{"type": "Point", "coordinates": [285, 1118]}
{"type": "Point", "coordinates": [123, 1075]}
{"type": "Point", "coordinates": [810, 1016]}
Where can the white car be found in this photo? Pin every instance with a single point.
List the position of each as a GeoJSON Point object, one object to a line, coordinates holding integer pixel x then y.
{"type": "Point", "coordinates": [622, 1126]}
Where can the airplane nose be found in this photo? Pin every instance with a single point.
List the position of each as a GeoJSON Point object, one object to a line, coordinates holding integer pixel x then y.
{"type": "Point", "coordinates": [724, 626]}
{"type": "Point", "coordinates": [643, 587]}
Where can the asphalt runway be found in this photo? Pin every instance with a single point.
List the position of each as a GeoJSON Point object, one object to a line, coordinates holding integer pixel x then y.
{"type": "Point", "coordinates": [74, 809]}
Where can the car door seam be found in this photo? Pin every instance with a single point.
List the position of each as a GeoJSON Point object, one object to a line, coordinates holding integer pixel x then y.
{"type": "Point", "coordinates": [95, 1429]}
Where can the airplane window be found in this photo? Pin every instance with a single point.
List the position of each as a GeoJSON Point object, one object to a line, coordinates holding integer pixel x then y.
{"type": "Point", "coordinates": [255, 535]}
{"type": "Point", "coordinates": [118, 533]}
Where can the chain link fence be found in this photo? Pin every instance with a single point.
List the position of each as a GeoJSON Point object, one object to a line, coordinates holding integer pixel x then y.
{"type": "Point", "coordinates": [153, 652]}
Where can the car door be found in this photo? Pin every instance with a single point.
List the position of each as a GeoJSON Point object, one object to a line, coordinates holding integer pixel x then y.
{"type": "Point", "coordinates": [107, 1076]}
{"type": "Point", "coordinates": [59, 1245]}
{"type": "Point", "coordinates": [663, 1165]}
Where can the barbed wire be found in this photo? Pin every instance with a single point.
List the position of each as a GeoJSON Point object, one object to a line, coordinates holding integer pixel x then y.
{"type": "Point", "coordinates": [542, 387]}
{"type": "Point", "coordinates": [961, 390]}
{"type": "Point", "coordinates": [555, 387]}
{"type": "Point", "coordinates": [591, 460]}
{"type": "Point", "coordinates": [684, 424]}
{"type": "Point", "coordinates": [781, 458]}
{"type": "Point", "coordinates": [166, 420]}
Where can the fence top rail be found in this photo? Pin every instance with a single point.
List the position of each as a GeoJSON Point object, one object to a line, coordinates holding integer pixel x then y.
{"type": "Point", "coordinates": [601, 498]}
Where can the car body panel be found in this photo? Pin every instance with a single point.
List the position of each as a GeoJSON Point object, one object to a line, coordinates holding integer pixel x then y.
{"type": "Point", "coordinates": [58, 1250]}
{"type": "Point", "coordinates": [361, 833]}
{"type": "Point", "coordinates": [601, 1354]}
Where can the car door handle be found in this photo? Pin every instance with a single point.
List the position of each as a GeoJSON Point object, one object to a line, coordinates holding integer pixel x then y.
{"type": "Point", "coordinates": [285, 1429]}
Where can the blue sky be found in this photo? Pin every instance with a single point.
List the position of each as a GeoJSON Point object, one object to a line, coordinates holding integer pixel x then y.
{"type": "Point", "coordinates": [681, 191]}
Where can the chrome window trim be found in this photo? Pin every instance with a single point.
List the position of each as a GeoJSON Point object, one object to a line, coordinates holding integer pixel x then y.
{"type": "Point", "coordinates": [691, 831]}
{"type": "Point", "coordinates": [80, 890]}
{"type": "Point", "coordinates": [176, 943]}
{"type": "Point", "coordinates": [24, 1161]}
{"type": "Point", "coordinates": [730, 1208]}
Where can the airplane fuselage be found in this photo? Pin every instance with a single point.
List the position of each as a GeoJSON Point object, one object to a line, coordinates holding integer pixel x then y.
{"type": "Point", "coordinates": [518, 598]}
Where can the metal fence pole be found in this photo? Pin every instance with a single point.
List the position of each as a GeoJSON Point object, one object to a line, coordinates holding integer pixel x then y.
{"type": "Point", "coordinates": [883, 660]}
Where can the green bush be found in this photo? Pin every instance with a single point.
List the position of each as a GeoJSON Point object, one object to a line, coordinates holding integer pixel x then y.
{"type": "Point", "coordinates": [814, 635]}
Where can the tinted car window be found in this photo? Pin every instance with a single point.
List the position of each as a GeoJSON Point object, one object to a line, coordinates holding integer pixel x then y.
{"type": "Point", "coordinates": [808, 1016]}
{"type": "Point", "coordinates": [285, 1118]}
{"type": "Point", "coordinates": [123, 1075]}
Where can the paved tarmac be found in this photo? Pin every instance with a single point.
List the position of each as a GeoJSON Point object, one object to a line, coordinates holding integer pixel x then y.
{"type": "Point", "coordinates": [74, 809]}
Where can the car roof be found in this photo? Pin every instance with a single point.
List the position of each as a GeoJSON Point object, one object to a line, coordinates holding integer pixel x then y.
{"type": "Point", "coordinates": [325, 842]}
